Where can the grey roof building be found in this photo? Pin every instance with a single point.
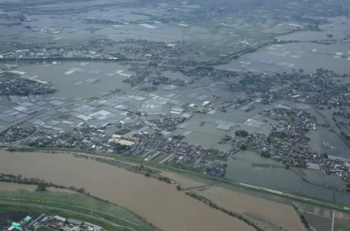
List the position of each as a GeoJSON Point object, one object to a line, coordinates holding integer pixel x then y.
{"type": "Point", "coordinates": [74, 221]}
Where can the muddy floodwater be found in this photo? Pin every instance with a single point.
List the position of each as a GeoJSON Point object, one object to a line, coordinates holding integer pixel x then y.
{"type": "Point", "coordinates": [159, 202]}
{"type": "Point", "coordinates": [11, 187]}
{"type": "Point", "coordinates": [263, 210]}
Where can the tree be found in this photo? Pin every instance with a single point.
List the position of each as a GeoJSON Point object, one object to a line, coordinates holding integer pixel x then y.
{"type": "Point", "coordinates": [241, 133]}
{"type": "Point", "coordinates": [41, 187]}
{"type": "Point", "coordinates": [269, 139]}
{"type": "Point", "coordinates": [178, 187]}
{"type": "Point", "coordinates": [287, 167]}
{"type": "Point", "coordinates": [167, 180]}
{"type": "Point", "coordinates": [81, 190]}
{"type": "Point", "coordinates": [243, 147]}
{"type": "Point", "coordinates": [319, 70]}
{"type": "Point", "coordinates": [266, 154]}
{"type": "Point", "coordinates": [147, 174]}
{"type": "Point", "coordinates": [301, 70]}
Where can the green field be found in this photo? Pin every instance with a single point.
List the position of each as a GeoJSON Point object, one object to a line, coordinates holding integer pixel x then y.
{"type": "Point", "coordinates": [216, 157]}
{"type": "Point", "coordinates": [210, 157]}
{"type": "Point", "coordinates": [341, 225]}
{"type": "Point", "coordinates": [44, 228]}
{"type": "Point", "coordinates": [80, 203]}
{"type": "Point", "coordinates": [320, 223]}
{"type": "Point", "coordinates": [223, 158]}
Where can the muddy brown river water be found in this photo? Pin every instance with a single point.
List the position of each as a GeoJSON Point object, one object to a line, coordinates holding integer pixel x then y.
{"type": "Point", "coordinates": [160, 203]}
{"type": "Point", "coordinates": [11, 187]}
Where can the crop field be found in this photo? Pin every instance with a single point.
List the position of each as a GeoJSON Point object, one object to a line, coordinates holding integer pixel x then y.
{"type": "Point", "coordinates": [341, 221]}
{"type": "Point", "coordinates": [318, 222]}
{"type": "Point", "coordinates": [323, 219]}
{"type": "Point", "coordinates": [43, 228]}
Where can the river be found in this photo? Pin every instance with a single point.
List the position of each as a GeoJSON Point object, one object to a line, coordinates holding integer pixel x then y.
{"type": "Point", "coordinates": [11, 187]}
{"type": "Point", "coordinates": [160, 203]}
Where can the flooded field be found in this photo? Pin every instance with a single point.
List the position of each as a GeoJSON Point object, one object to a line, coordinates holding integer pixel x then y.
{"type": "Point", "coordinates": [69, 78]}
{"type": "Point", "coordinates": [301, 53]}
{"type": "Point", "coordinates": [311, 35]}
{"type": "Point", "coordinates": [286, 57]}
{"type": "Point", "coordinates": [74, 84]}
{"type": "Point", "coordinates": [279, 178]}
{"type": "Point", "coordinates": [160, 203]}
{"type": "Point", "coordinates": [74, 32]}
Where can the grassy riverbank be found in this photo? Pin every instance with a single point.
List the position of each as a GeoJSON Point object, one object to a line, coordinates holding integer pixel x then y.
{"type": "Point", "coordinates": [79, 203]}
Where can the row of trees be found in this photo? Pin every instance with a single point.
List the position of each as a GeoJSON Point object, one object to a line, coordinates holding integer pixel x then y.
{"type": "Point", "coordinates": [266, 154]}
{"type": "Point", "coordinates": [303, 220]}
{"type": "Point", "coordinates": [165, 179]}
{"type": "Point", "coordinates": [41, 184]}
{"type": "Point", "coordinates": [160, 178]}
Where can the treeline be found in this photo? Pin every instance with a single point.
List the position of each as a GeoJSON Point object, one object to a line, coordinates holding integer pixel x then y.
{"type": "Point", "coordinates": [303, 220]}
{"type": "Point", "coordinates": [266, 154]}
{"type": "Point", "coordinates": [165, 179]}
{"type": "Point", "coordinates": [42, 184]}
{"type": "Point", "coordinates": [140, 169]}
{"type": "Point", "coordinates": [20, 149]}
{"type": "Point", "coordinates": [215, 206]}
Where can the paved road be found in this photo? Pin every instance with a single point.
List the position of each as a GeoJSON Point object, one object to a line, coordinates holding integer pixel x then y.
{"type": "Point", "coordinates": [67, 210]}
